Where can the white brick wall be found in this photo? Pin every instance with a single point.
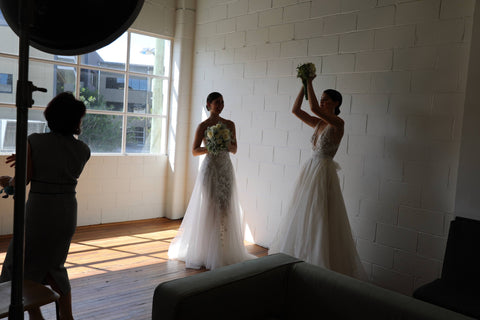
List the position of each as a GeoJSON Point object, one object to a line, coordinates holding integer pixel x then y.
{"type": "Point", "coordinates": [284, 32]}
{"type": "Point", "coordinates": [112, 189]}
{"type": "Point", "coordinates": [323, 45]}
{"type": "Point", "coordinates": [401, 66]}
{"type": "Point", "coordinates": [340, 23]}
{"type": "Point", "coordinates": [374, 61]}
{"type": "Point", "coordinates": [325, 7]}
{"type": "Point", "coordinates": [357, 41]}
{"type": "Point", "coordinates": [157, 16]}
{"type": "Point", "coordinates": [376, 18]}
{"type": "Point", "coordinates": [395, 37]}
{"type": "Point", "coordinates": [271, 17]}
{"type": "Point", "coordinates": [247, 22]}
{"type": "Point", "coordinates": [309, 29]}
{"type": "Point", "coordinates": [292, 49]}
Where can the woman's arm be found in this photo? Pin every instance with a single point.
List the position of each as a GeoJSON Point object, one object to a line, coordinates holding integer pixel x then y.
{"type": "Point", "coordinates": [329, 118]}
{"type": "Point", "coordinates": [302, 115]}
{"type": "Point", "coordinates": [232, 146]}
{"type": "Point", "coordinates": [197, 149]}
{"type": "Point", "coordinates": [12, 159]}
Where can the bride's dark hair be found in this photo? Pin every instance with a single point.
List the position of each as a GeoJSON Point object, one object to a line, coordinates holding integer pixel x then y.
{"type": "Point", "coordinates": [335, 96]}
{"type": "Point", "coordinates": [212, 96]}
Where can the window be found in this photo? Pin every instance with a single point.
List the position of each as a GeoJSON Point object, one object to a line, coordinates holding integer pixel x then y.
{"type": "Point", "coordinates": [120, 118]}
{"type": "Point", "coordinates": [6, 83]}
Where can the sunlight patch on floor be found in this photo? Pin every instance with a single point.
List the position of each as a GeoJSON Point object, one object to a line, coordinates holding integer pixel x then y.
{"type": "Point", "coordinates": [98, 256]}
{"type": "Point", "coordinates": [103, 255]}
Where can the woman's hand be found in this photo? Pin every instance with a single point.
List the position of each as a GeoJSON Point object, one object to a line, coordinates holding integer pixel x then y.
{"type": "Point", "coordinates": [232, 146]}
{"type": "Point", "coordinates": [5, 181]}
{"type": "Point", "coordinates": [11, 159]}
{"type": "Point", "coordinates": [199, 151]}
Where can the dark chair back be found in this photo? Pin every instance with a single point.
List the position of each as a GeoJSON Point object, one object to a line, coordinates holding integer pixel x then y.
{"type": "Point", "coordinates": [461, 264]}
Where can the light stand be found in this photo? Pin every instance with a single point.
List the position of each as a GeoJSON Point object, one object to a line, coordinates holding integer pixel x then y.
{"type": "Point", "coordinates": [24, 102]}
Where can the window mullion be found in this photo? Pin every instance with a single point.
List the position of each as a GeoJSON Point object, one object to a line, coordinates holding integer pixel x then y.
{"type": "Point", "coordinates": [125, 94]}
{"type": "Point", "coordinates": [77, 77]}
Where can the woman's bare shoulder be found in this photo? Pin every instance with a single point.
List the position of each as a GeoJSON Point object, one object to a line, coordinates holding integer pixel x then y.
{"type": "Point", "coordinates": [228, 123]}
{"type": "Point", "coordinates": [203, 125]}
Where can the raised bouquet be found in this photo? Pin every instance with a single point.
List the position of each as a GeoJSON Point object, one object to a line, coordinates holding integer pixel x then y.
{"type": "Point", "coordinates": [217, 138]}
{"type": "Point", "coordinates": [305, 71]}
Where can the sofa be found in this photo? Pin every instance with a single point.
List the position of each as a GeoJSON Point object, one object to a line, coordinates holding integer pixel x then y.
{"type": "Point", "coordinates": [279, 286]}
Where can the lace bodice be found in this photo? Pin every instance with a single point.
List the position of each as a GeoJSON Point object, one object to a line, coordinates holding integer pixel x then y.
{"type": "Point", "coordinates": [322, 144]}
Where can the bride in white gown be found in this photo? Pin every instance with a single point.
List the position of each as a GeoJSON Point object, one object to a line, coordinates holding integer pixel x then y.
{"type": "Point", "coordinates": [211, 234]}
{"type": "Point", "coordinates": [316, 227]}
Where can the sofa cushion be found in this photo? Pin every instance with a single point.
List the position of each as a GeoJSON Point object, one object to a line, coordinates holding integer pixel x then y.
{"type": "Point", "coordinates": [330, 295]}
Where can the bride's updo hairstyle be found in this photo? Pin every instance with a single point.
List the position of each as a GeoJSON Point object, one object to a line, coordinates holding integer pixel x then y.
{"type": "Point", "coordinates": [64, 114]}
{"type": "Point", "coordinates": [335, 96]}
{"type": "Point", "coordinates": [212, 96]}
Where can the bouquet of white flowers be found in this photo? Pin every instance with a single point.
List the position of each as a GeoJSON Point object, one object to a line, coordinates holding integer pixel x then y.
{"type": "Point", "coordinates": [217, 138]}
{"type": "Point", "coordinates": [305, 71]}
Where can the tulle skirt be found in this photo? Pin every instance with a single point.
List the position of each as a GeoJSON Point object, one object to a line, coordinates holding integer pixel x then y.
{"type": "Point", "coordinates": [316, 227]}
{"type": "Point", "coordinates": [211, 234]}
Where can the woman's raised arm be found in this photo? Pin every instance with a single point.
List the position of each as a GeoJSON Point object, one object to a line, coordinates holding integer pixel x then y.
{"type": "Point", "coordinates": [302, 115]}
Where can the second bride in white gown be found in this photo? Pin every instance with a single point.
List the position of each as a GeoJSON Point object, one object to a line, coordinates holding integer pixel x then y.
{"type": "Point", "coordinates": [211, 234]}
{"type": "Point", "coordinates": [316, 227]}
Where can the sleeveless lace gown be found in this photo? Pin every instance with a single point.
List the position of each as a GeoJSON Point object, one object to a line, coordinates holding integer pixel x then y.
{"type": "Point", "coordinates": [316, 227]}
{"type": "Point", "coordinates": [211, 233]}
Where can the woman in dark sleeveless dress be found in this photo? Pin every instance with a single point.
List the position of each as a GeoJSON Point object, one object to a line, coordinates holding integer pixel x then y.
{"type": "Point", "coordinates": [55, 162]}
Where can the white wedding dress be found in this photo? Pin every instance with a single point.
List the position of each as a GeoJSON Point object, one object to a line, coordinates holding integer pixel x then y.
{"type": "Point", "coordinates": [316, 227]}
{"type": "Point", "coordinates": [211, 234]}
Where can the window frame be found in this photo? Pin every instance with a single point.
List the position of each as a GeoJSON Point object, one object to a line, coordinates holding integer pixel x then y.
{"type": "Point", "coordinates": [127, 73]}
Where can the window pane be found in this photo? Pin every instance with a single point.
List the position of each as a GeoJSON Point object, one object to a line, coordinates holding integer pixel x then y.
{"type": "Point", "coordinates": [54, 78]}
{"type": "Point", "coordinates": [102, 90]}
{"type": "Point", "coordinates": [9, 38]}
{"type": "Point", "coordinates": [37, 115]}
{"type": "Point", "coordinates": [147, 95]}
{"type": "Point", "coordinates": [65, 79]}
{"type": "Point", "coordinates": [113, 56]}
{"type": "Point", "coordinates": [149, 55]}
{"type": "Point", "coordinates": [8, 70]}
{"type": "Point", "coordinates": [6, 83]}
{"type": "Point", "coordinates": [8, 127]}
{"type": "Point", "coordinates": [144, 135]}
{"type": "Point", "coordinates": [35, 53]}
{"type": "Point", "coordinates": [102, 133]}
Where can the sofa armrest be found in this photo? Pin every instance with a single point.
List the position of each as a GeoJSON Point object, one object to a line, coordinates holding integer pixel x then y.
{"type": "Point", "coordinates": [247, 290]}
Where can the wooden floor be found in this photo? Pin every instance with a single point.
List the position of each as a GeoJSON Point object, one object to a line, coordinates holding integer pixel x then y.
{"type": "Point", "coordinates": [114, 268]}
